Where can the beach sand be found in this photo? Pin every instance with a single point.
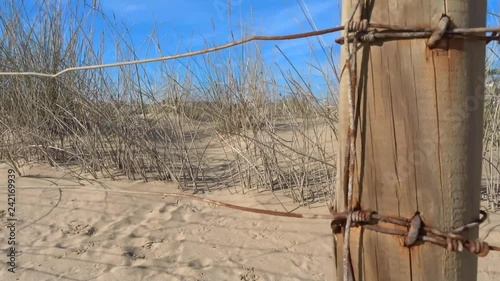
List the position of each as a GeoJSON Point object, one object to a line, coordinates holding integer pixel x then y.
{"type": "Point", "coordinates": [65, 233]}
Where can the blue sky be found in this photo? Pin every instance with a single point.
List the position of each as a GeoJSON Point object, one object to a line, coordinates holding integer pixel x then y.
{"type": "Point", "coordinates": [186, 25]}
{"type": "Point", "coordinates": [193, 24]}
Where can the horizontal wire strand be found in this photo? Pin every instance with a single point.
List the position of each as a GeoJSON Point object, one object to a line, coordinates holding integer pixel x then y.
{"type": "Point", "coordinates": [402, 30]}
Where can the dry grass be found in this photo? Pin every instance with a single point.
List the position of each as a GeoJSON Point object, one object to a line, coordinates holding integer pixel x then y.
{"type": "Point", "coordinates": [491, 139]}
{"type": "Point", "coordinates": [110, 123]}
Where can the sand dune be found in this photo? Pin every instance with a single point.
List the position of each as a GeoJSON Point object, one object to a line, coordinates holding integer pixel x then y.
{"type": "Point", "coordinates": [69, 234]}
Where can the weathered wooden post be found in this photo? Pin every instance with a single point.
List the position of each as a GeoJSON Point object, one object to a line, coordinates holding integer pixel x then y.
{"type": "Point", "coordinates": [419, 138]}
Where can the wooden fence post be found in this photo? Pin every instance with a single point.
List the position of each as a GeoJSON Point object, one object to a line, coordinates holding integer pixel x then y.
{"type": "Point", "coordinates": [419, 138]}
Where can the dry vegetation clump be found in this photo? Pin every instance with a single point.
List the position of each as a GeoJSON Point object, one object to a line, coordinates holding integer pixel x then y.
{"type": "Point", "coordinates": [211, 122]}
{"type": "Point", "coordinates": [490, 191]}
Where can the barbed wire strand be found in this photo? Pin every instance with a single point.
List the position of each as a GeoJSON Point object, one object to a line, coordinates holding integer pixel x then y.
{"type": "Point", "coordinates": [404, 33]}
{"type": "Point", "coordinates": [351, 136]}
{"type": "Point", "coordinates": [183, 55]}
{"type": "Point", "coordinates": [206, 200]}
{"type": "Point", "coordinates": [363, 218]}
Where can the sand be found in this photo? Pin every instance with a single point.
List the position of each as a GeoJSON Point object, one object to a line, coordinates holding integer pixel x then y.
{"type": "Point", "coordinates": [77, 234]}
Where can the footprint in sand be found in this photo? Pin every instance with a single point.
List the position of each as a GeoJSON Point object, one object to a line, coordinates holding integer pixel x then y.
{"type": "Point", "coordinates": [150, 249]}
{"type": "Point", "coordinates": [3, 218]}
{"type": "Point", "coordinates": [181, 235]}
{"type": "Point", "coordinates": [258, 235]}
{"type": "Point", "coordinates": [127, 227]}
{"type": "Point", "coordinates": [79, 228]}
{"type": "Point", "coordinates": [134, 253]}
{"type": "Point", "coordinates": [248, 274]}
{"type": "Point", "coordinates": [164, 211]}
{"type": "Point", "coordinates": [171, 259]}
{"type": "Point", "coordinates": [200, 263]}
{"type": "Point", "coordinates": [149, 245]}
{"type": "Point", "coordinates": [85, 248]}
{"type": "Point", "coordinates": [165, 208]}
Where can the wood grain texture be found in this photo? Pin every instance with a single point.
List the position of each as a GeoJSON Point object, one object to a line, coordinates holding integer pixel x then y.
{"type": "Point", "coordinates": [419, 138]}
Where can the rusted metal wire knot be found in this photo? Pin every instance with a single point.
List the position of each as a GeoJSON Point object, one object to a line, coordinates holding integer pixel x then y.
{"type": "Point", "coordinates": [478, 247]}
{"type": "Point", "coordinates": [416, 230]}
{"type": "Point", "coordinates": [360, 32]}
{"type": "Point", "coordinates": [361, 216]}
{"type": "Point", "coordinates": [367, 37]}
{"type": "Point", "coordinates": [438, 33]}
{"type": "Point", "coordinates": [453, 241]}
{"type": "Point", "coordinates": [387, 35]}
{"type": "Point", "coordinates": [356, 26]}
{"type": "Point", "coordinates": [357, 217]}
{"type": "Point", "coordinates": [454, 245]}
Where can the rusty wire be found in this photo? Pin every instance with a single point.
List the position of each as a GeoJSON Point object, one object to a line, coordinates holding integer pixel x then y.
{"type": "Point", "coordinates": [438, 33]}
{"type": "Point", "coordinates": [373, 35]}
{"type": "Point", "coordinates": [350, 153]}
{"type": "Point", "coordinates": [339, 216]}
{"type": "Point", "coordinates": [417, 231]}
{"type": "Point", "coordinates": [392, 32]}
{"type": "Point", "coordinates": [361, 28]}
{"type": "Point", "coordinates": [367, 219]}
